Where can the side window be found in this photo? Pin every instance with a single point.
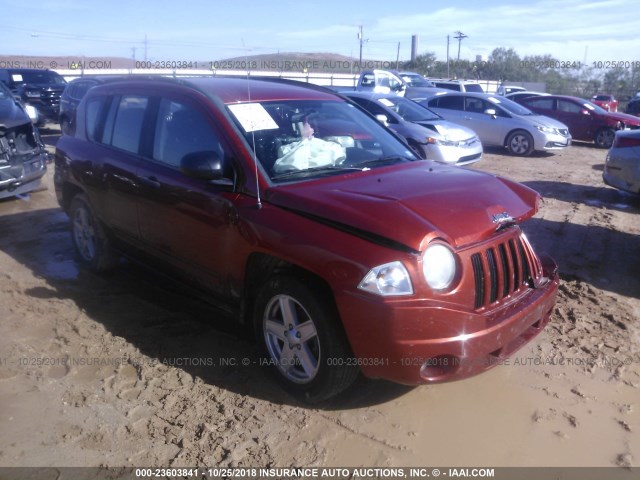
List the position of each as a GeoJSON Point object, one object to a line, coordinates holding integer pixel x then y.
{"type": "Point", "coordinates": [474, 105]}
{"type": "Point", "coordinates": [570, 107]}
{"type": "Point", "coordinates": [93, 114]}
{"type": "Point", "coordinates": [128, 123]}
{"type": "Point", "coordinates": [451, 102]}
{"type": "Point", "coordinates": [545, 103]}
{"type": "Point", "coordinates": [181, 129]}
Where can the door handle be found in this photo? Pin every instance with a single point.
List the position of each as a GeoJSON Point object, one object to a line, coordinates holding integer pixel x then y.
{"type": "Point", "coordinates": [149, 182]}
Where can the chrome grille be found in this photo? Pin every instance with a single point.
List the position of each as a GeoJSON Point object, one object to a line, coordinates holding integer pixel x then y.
{"type": "Point", "coordinates": [504, 269]}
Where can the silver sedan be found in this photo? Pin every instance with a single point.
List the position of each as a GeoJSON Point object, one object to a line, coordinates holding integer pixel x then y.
{"type": "Point", "coordinates": [501, 122]}
{"type": "Point", "coordinates": [622, 166]}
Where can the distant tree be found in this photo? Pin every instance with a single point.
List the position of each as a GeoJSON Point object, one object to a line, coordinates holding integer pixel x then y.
{"type": "Point", "coordinates": [504, 65]}
{"type": "Point", "coordinates": [422, 64]}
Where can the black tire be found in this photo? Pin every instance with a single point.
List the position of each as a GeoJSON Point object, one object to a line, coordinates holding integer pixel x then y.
{"type": "Point", "coordinates": [520, 143]}
{"type": "Point", "coordinates": [299, 332]}
{"type": "Point", "coordinates": [87, 234]}
{"type": "Point", "coordinates": [604, 137]}
{"type": "Point", "coordinates": [65, 126]}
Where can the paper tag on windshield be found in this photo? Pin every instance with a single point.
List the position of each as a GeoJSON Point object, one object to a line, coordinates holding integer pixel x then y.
{"type": "Point", "coordinates": [253, 116]}
{"type": "Point", "coordinates": [386, 102]}
{"type": "Point", "coordinates": [16, 77]}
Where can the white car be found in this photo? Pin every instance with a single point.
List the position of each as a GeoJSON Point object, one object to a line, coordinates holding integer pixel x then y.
{"type": "Point", "coordinates": [501, 122]}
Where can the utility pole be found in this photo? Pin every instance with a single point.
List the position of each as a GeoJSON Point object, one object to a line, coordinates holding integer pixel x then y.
{"type": "Point", "coordinates": [361, 40]}
{"type": "Point", "coordinates": [133, 55]}
{"type": "Point", "coordinates": [398, 56]}
{"type": "Point", "coordinates": [459, 36]}
{"type": "Point", "coordinates": [448, 76]}
{"type": "Point", "coordinates": [145, 47]}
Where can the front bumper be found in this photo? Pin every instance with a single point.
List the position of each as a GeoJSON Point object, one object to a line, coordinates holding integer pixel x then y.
{"type": "Point", "coordinates": [30, 179]}
{"type": "Point", "coordinates": [458, 155]}
{"type": "Point", "coordinates": [413, 343]}
{"type": "Point", "coordinates": [550, 141]}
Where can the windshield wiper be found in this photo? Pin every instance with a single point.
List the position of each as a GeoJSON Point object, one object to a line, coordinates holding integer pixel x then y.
{"type": "Point", "coordinates": [314, 171]}
{"type": "Point", "coordinates": [390, 160]}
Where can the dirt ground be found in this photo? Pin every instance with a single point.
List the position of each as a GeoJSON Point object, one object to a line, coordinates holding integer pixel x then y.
{"type": "Point", "coordinates": [121, 370]}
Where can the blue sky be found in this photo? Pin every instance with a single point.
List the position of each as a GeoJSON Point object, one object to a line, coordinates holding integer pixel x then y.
{"type": "Point", "coordinates": [212, 30]}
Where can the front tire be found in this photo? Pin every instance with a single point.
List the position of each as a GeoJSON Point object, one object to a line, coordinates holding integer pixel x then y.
{"type": "Point", "coordinates": [302, 339]}
{"type": "Point", "coordinates": [520, 143]}
{"type": "Point", "coordinates": [92, 245]}
{"type": "Point", "coordinates": [604, 137]}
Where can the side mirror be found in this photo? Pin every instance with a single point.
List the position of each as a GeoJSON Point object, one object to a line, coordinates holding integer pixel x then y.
{"type": "Point", "coordinates": [382, 118]}
{"type": "Point", "coordinates": [204, 165]}
{"type": "Point", "coordinates": [490, 111]}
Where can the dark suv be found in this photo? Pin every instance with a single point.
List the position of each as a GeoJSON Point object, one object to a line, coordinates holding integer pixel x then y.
{"type": "Point", "coordinates": [294, 208]}
{"type": "Point", "coordinates": [39, 88]}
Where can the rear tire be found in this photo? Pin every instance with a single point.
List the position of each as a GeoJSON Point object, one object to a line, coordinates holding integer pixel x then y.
{"type": "Point", "coordinates": [604, 137]}
{"type": "Point", "coordinates": [301, 338]}
{"type": "Point", "coordinates": [520, 143]}
{"type": "Point", "coordinates": [92, 245]}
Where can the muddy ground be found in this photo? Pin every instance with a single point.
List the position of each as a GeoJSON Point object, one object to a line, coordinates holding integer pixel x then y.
{"type": "Point", "coordinates": [114, 370]}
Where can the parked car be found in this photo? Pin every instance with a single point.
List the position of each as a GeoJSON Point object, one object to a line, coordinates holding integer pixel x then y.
{"type": "Point", "coordinates": [74, 92]}
{"type": "Point", "coordinates": [515, 96]}
{"type": "Point", "coordinates": [587, 121]}
{"type": "Point", "coordinates": [40, 89]}
{"type": "Point", "coordinates": [23, 158]}
{"type": "Point", "coordinates": [500, 122]}
{"type": "Point", "coordinates": [633, 107]}
{"type": "Point", "coordinates": [458, 85]}
{"type": "Point", "coordinates": [622, 166]}
{"type": "Point", "coordinates": [606, 101]}
{"type": "Point", "coordinates": [390, 81]}
{"type": "Point", "coordinates": [428, 134]}
{"type": "Point", "coordinates": [309, 220]}
{"type": "Point", "coordinates": [414, 79]}
{"type": "Point", "coordinates": [505, 90]}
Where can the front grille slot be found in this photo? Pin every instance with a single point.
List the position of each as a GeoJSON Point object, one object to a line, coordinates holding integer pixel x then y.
{"type": "Point", "coordinates": [503, 269]}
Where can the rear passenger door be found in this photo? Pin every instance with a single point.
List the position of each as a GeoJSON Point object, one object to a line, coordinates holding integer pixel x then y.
{"type": "Point", "coordinates": [115, 127]}
{"type": "Point", "coordinates": [451, 107]}
{"type": "Point", "coordinates": [186, 222]}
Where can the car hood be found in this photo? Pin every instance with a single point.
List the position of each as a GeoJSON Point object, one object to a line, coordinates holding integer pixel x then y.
{"type": "Point", "coordinates": [545, 121]}
{"type": "Point", "coordinates": [12, 114]}
{"type": "Point", "coordinates": [448, 130]}
{"type": "Point", "coordinates": [408, 205]}
{"type": "Point", "coordinates": [624, 117]}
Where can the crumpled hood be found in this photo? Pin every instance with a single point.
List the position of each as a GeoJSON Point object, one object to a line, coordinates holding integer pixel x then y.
{"type": "Point", "coordinates": [410, 204]}
{"type": "Point", "coordinates": [448, 130]}
{"type": "Point", "coordinates": [12, 114]}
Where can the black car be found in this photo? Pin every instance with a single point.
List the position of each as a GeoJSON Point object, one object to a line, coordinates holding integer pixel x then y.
{"type": "Point", "coordinates": [70, 99]}
{"type": "Point", "coordinates": [39, 88]}
{"type": "Point", "coordinates": [22, 154]}
{"type": "Point", "coordinates": [633, 107]}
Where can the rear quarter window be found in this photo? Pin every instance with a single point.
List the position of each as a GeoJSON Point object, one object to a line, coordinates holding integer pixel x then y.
{"type": "Point", "coordinates": [128, 123]}
{"type": "Point", "coordinates": [93, 114]}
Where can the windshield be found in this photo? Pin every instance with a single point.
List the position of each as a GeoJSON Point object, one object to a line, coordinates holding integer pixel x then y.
{"type": "Point", "coordinates": [603, 98]}
{"type": "Point", "coordinates": [408, 109]}
{"type": "Point", "coordinates": [511, 106]}
{"type": "Point", "coordinates": [44, 77]}
{"type": "Point", "coordinates": [416, 81]}
{"type": "Point", "coordinates": [593, 107]}
{"type": "Point", "coordinates": [302, 139]}
{"type": "Point", "coordinates": [4, 92]}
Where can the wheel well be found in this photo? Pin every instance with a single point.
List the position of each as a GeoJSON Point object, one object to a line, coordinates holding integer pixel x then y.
{"type": "Point", "coordinates": [512, 132]}
{"type": "Point", "coordinates": [260, 267]}
{"type": "Point", "coordinates": [69, 190]}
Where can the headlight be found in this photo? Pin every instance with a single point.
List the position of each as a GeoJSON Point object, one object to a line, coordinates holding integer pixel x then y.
{"type": "Point", "coordinates": [438, 266]}
{"type": "Point", "coordinates": [446, 143]}
{"type": "Point", "coordinates": [32, 94]}
{"type": "Point", "coordinates": [546, 129]}
{"type": "Point", "coordinates": [388, 279]}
